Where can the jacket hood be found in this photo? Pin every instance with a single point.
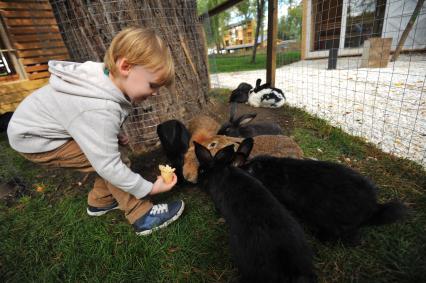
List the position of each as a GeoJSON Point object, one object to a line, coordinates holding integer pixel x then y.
{"type": "Point", "coordinates": [84, 79]}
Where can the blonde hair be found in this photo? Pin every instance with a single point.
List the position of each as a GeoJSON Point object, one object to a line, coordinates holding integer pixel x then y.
{"type": "Point", "coordinates": [141, 47]}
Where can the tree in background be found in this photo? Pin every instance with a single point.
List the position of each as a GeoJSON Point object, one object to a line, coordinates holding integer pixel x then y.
{"type": "Point", "coordinates": [246, 9]}
{"type": "Point", "coordinates": [260, 10]}
{"type": "Point", "coordinates": [217, 23]}
{"type": "Point", "coordinates": [290, 26]}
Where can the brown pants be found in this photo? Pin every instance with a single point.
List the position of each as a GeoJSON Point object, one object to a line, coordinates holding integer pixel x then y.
{"type": "Point", "coordinates": [103, 193]}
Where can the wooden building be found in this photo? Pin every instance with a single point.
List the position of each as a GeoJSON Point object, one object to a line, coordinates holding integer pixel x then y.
{"type": "Point", "coordinates": [29, 38]}
{"type": "Point", "coordinates": [347, 24]}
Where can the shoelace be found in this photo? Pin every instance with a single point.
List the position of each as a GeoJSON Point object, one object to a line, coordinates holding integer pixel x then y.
{"type": "Point", "coordinates": [159, 208]}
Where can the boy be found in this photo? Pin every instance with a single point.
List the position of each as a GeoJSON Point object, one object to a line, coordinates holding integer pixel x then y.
{"type": "Point", "coordinates": [75, 120]}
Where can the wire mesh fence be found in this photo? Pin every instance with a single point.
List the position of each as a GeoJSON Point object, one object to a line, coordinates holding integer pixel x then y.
{"type": "Point", "coordinates": [366, 93]}
{"type": "Point", "coordinates": [89, 26]}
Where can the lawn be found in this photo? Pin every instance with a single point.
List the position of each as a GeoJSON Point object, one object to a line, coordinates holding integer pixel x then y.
{"type": "Point", "coordinates": [46, 235]}
{"type": "Point", "coordinates": [220, 63]}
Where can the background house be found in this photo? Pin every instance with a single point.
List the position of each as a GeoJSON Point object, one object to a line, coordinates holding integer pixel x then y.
{"type": "Point", "coordinates": [346, 24]}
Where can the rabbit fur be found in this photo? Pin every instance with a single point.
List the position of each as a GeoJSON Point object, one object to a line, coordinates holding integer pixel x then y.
{"type": "Point", "coordinates": [266, 242]}
{"type": "Point", "coordinates": [266, 96]}
{"type": "Point", "coordinates": [240, 127]}
{"type": "Point", "coordinates": [333, 199]}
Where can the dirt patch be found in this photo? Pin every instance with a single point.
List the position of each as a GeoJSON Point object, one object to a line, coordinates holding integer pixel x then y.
{"type": "Point", "coordinates": [220, 111]}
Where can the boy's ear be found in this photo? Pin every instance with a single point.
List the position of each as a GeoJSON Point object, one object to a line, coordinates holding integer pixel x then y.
{"type": "Point", "coordinates": [123, 66]}
{"type": "Point", "coordinates": [203, 154]}
{"type": "Point", "coordinates": [225, 155]}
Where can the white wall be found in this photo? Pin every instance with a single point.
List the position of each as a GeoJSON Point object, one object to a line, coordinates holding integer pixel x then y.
{"type": "Point", "coordinates": [397, 15]}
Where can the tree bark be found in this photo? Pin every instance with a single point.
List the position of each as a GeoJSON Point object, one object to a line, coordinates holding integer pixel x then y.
{"type": "Point", "coordinates": [260, 6]}
{"type": "Point", "coordinates": [89, 26]}
{"type": "Point", "coordinates": [407, 30]}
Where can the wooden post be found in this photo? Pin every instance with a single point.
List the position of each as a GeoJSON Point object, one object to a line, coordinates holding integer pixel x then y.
{"type": "Point", "coordinates": [304, 29]}
{"type": "Point", "coordinates": [271, 57]}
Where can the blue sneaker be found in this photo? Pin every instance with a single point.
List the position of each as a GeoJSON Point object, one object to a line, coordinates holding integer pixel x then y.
{"type": "Point", "coordinates": [158, 217]}
{"type": "Point", "coordinates": [98, 211]}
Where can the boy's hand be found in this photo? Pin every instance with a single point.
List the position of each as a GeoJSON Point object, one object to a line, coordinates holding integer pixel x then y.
{"type": "Point", "coordinates": [161, 187]}
{"type": "Point", "coordinates": [123, 139]}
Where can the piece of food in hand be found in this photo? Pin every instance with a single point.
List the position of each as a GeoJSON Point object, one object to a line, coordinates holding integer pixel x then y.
{"type": "Point", "coordinates": [167, 173]}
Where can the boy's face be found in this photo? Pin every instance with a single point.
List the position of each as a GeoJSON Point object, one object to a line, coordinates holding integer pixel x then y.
{"type": "Point", "coordinates": [136, 81]}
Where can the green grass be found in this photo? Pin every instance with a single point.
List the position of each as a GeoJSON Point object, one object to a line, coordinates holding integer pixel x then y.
{"type": "Point", "coordinates": [235, 63]}
{"type": "Point", "coordinates": [48, 236]}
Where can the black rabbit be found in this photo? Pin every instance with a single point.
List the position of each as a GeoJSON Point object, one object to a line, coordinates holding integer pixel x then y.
{"type": "Point", "coordinates": [4, 121]}
{"type": "Point", "coordinates": [267, 244]}
{"type": "Point", "coordinates": [239, 127]}
{"type": "Point", "coordinates": [241, 93]}
{"type": "Point", "coordinates": [174, 138]}
{"type": "Point", "coordinates": [331, 198]}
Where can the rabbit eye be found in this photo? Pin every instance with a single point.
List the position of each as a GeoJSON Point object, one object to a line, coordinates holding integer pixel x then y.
{"type": "Point", "coordinates": [212, 145]}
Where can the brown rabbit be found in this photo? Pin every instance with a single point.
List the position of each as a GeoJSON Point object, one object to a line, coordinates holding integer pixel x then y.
{"type": "Point", "coordinates": [273, 145]}
{"type": "Point", "coordinates": [202, 127]}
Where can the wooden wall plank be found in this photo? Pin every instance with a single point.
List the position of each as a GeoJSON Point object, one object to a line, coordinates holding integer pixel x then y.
{"type": "Point", "coordinates": [26, 14]}
{"type": "Point", "coordinates": [33, 30]}
{"type": "Point", "coordinates": [42, 52]}
{"type": "Point", "coordinates": [39, 44]}
{"type": "Point", "coordinates": [36, 37]}
{"type": "Point", "coordinates": [30, 22]}
{"type": "Point", "coordinates": [36, 68]}
{"type": "Point", "coordinates": [40, 75]}
{"type": "Point", "coordinates": [29, 61]}
{"type": "Point", "coordinates": [42, 5]}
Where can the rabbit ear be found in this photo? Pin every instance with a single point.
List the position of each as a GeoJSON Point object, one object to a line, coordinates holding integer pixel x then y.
{"type": "Point", "coordinates": [225, 155]}
{"type": "Point", "coordinates": [203, 154]}
{"type": "Point", "coordinates": [244, 119]}
{"type": "Point", "coordinates": [258, 82]}
{"type": "Point", "coordinates": [233, 110]}
{"type": "Point", "coordinates": [246, 146]}
{"type": "Point", "coordinates": [243, 152]}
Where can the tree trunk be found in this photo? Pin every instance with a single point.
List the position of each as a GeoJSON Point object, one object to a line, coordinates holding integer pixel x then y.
{"type": "Point", "coordinates": [260, 6]}
{"type": "Point", "coordinates": [407, 29]}
{"type": "Point", "coordinates": [89, 26]}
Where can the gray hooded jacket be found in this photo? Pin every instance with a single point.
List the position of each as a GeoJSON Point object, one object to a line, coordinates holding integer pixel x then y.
{"type": "Point", "coordinates": [81, 103]}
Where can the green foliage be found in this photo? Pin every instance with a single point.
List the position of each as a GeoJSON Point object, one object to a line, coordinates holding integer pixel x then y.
{"type": "Point", "coordinates": [215, 27]}
{"type": "Point", "coordinates": [242, 62]}
{"type": "Point", "coordinates": [247, 9]}
{"type": "Point", "coordinates": [290, 26]}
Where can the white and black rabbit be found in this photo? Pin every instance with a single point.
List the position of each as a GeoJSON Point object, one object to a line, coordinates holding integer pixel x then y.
{"type": "Point", "coordinates": [267, 243]}
{"type": "Point", "coordinates": [239, 127]}
{"type": "Point", "coordinates": [333, 199]}
{"type": "Point", "coordinates": [241, 93]}
{"type": "Point", "coordinates": [266, 96]}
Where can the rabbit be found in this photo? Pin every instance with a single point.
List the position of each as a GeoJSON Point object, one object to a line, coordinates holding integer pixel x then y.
{"type": "Point", "coordinates": [4, 121]}
{"type": "Point", "coordinates": [275, 145]}
{"type": "Point", "coordinates": [266, 96]}
{"type": "Point", "coordinates": [202, 127]}
{"type": "Point", "coordinates": [241, 93]}
{"type": "Point", "coordinates": [266, 242]}
{"type": "Point", "coordinates": [237, 127]}
{"type": "Point", "coordinates": [333, 199]}
{"type": "Point", "coordinates": [174, 138]}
